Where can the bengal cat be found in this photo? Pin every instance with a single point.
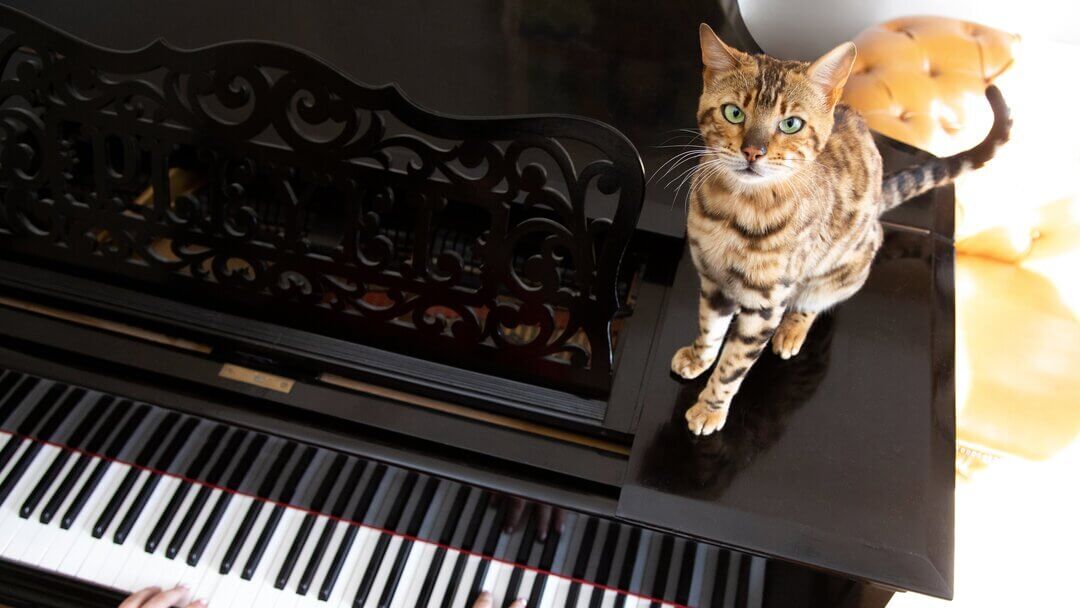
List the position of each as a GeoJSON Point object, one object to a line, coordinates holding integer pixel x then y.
{"type": "Point", "coordinates": [784, 207]}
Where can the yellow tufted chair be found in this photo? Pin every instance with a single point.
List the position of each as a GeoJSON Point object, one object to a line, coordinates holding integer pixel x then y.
{"type": "Point", "coordinates": [920, 80]}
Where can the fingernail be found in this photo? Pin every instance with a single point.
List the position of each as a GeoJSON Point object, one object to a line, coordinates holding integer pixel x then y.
{"type": "Point", "coordinates": [485, 594]}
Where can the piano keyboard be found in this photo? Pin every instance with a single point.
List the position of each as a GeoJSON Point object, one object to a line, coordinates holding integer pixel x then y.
{"type": "Point", "coordinates": [127, 495]}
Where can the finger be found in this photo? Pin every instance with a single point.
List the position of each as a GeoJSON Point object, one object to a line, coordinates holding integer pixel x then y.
{"type": "Point", "coordinates": [197, 604]}
{"type": "Point", "coordinates": [165, 599]}
{"type": "Point", "coordinates": [560, 520]}
{"type": "Point", "coordinates": [513, 514]}
{"type": "Point", "coordinates": [135, 600]}
{"type": "Point", "coordinates": [518, 603]}
{"type": "Point", "coordinates": [484, 601]}
{"type": "Point", "coordinates": [543, 520]}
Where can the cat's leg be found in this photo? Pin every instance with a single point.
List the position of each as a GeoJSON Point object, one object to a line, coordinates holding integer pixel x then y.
{"type": "Point", "coordinates": [790, 335]}
{"type": "Point", "coordinates": [752, 331]}
{"type": "Point", "coordinates": [714, 315]}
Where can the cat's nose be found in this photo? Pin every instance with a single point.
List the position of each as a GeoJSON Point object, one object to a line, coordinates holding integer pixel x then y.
{"type": "Point", "coordinates": [753, 152]}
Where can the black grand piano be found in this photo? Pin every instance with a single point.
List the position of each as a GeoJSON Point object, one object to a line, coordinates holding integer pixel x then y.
{"type": "Point", "coordinates": [294, 340]}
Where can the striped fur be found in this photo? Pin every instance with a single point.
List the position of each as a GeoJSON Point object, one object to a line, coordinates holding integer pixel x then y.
{"type": "Point", "coordinates": [908, 183]}
{"type": "Point", "coordinates": [784, 225]}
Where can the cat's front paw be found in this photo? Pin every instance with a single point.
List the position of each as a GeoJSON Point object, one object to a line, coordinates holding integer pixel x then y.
{"type": "Point", "coordinates": [687, 364]}
{"type": "Point", "coordinates": [703, 420]}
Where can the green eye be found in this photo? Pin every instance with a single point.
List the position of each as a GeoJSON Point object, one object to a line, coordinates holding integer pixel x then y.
{"type": "Point", "coordinates": [733, 114]}
{"type": "Point", "coordinates": [791, 124]}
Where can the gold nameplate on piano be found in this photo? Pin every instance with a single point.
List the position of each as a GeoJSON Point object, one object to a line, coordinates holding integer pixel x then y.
{"type": "Point", "coordinates": [256, 378]}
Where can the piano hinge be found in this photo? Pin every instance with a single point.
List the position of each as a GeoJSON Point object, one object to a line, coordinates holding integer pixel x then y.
{"type": "Point", "coordinates": [257, 378]}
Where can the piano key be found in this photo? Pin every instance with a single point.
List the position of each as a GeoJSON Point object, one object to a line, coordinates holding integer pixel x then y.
{"type": "Point", "coordinates": [321, 555]}
{"type": "Point", "coordinates": [741, 579]}
{"type": "Point", "coordinates": [42, 534]}
{"type": "Point", "coordinates": [419, 564]}
{"type": "Point", "coordinates": [581, 562]}
{"type": "Point", "coordinates": [230, 579]}
{"type": "Point", "coordinates": [441, 585]}
{"type": "Point", "coordinates": [216, 547]}
{"type": "Point", "coordinates": [402, 559]}
{"type": "Point", "coordinates": [59, 467]}
{"type": "Point", "coordinates": [16, 396]}
{"type": "Point", "coordinates": [7, 383]}
{"type": "Point", "coordinates": [604, 566]}
{"type": "Point", "coordinates": [103, 480]}
{"type": "Point", "coordinates": [299, 542]}
{"type": "Point", "coordinates": [239, 474]}
{"type": "Point", "coordinates": [631, 565]}
{"type": "Point", "coordinates": [756, 582]}
{"type": "Point", "coordinates": [181, 495]}
{"type": "Point", "coordinates": [195, 515]}
{"type": "Point", "coordinates": [522, 557]}
{"type": "Point", "coordinates": [539, 584]}
{"type": "Point", "coordinates": [492, 531]}
{"type": "Point", "coordinates": [120, 440]}
{"type": "Point", "coordinates": [439, 557]}
{"type": "Point", "coordinates": [721, 590]}
{"type": "Point", "coordinates": [695, 597]}
{"type": "Point", "coordinates": [104, 562]}
{"type": "Point", "coordinates": [471, 541]}
{"type": "Point", "coordinates": [243, 532]}
{"type": "Point", "coordinates": [373, 488]}
{"type": "Point", "coordinates": [562, 590]}
{"type": "Point", "coordinates": [662, 567]}
{"type": "Point", "coordinates": [151, 498]}
{"type": "Point", "coordinates": [260, 588]}
{"type": "Point", "coordinates": [10, 522]}
{"type": "Point", "coordinates": [193, 574]}
{"type": "Point", "coordinates": [27, 428]}
{"type": "Point", "coordinates": [360, 542]}
{"type": "Point", "coordinates": [369, 584]}
{"type": "Point", "coordinates": [292, 483]}
{"type": "Point", "coordinates": [686, 573]}
{"type": "Point", "coordinates": [166, 424]}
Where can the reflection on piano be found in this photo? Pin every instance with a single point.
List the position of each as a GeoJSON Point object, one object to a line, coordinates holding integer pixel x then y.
{"type": "Point", "coordinates": [292, 340]}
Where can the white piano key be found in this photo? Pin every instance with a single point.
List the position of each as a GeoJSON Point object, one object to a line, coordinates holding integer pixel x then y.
{"type": "Point", "coordinates": [212, 578]}
{"type": "Point", "coordinates": [231, 583]}
{"type": "Point", "coordinates": [527, 581]}
{"type": "Point", "coordinates": [10, 522]}
{"type": "Point", "coordinates": [129, 578]}
{"type": "Point", "coordinates": [443, 578]}
{"type": "Point", "coordinates": [82, 542]}
{"type": "Point", "coordinates": [562, 589]}
{"type": "Point", "coordinates": [584, 596]}
{"type": "Point", "coordinates": [158, 570]}
{"type": "Point", "coordinates": [461, 598]}
{"type": "Point", "coordinates": [112, 555]}
{"type": "Point", "coordinates": [193, 575]}
{"type": "Point", "coordinates": [497, 580]}
{"type": "Point", "coordinates": [305, 553]}
{"type": "Point", "coordinates": [609, 599]}
{"type": "Point", "coordinates": [352, 570]}
{"type": "Point", "coordinates": [412, 579]}
{"type": "Point", "coordinates": [42, 535]}
{"type": "Point", "coordinates": [265, 594]}
{"type": "Point", "coordinates": [63, 538]}
{"type": "Point", "coordinates": [383, 572]}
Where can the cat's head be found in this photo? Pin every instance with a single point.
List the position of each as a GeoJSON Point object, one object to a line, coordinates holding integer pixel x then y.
{"type": "Point", "coordinates": [764, 119]}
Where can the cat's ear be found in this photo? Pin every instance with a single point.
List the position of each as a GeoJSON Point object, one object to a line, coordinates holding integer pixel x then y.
{"type": "Point", "coordinates": [714, 53]}
{"type": "Point", "coordinates": [831, 71]}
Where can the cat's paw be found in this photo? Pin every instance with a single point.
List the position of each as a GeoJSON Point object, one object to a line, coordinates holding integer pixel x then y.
{"type": "Point", "coordinates": [686, 364]}
{"type": "Point", "coordinates": [704, 421]}
{"type": "Point", "coordinates": [790, 336]}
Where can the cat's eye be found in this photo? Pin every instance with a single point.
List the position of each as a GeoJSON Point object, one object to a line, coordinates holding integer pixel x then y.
{"type": "Point", "coordinates": [791, 124]}
{"type": "Point", "coordinates": [733, 114]}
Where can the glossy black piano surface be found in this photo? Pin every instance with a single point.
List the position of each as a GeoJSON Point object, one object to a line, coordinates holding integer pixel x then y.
{"type": "Point", "coordinates": [835, 467]}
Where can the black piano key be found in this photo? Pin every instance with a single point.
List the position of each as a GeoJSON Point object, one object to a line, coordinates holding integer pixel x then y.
{"type": "Point", "coordinates": [686, 573]}
{"type": "Point", "coordinates": [101, 435]}
{"type": "Point", "coordinates": [239, 474]}
{"type": "Point", "coordinates": [351, 486]}
{"type": "Point", "coordinates": [15, 396]}
{"type": "Point", "coordinates": [582, 561]}
{"type": "Point", "coordinates": [490, 543]}
{"type": "Point", "coordinates": [194, 470]}
{"type": "Point", "coordinates": [7, 382]}
{"type": "Point", "coordinates": [392, 520]}
{"type": "Point", "coordinates": [417, 520]}
{"type": "Point", "coordinates": [30, 423]}
{"type": "Point", "coordinates": [453, 519]}
{"type": "Point", "coordinates": [742, 589]}
{"type": "Point", "coordinates": [265, 489]}
{"type": "Point", "coordinates": [359, 513]}
{"type": "Point", "coordinates": [284, 497]}
{"type": "Point", "coordinates": [126, 432]}
{"type": "Point", "coordinates": [603, 567]}
{"type": "Point", "coordinates": [720, 579]}
{"type": "Point", "coordinates": [82, 431]}
{"type": "Point", "coordinates": [547, 560]}
{"type": "Point", "coordinates": [30, 427]}
{"type": "Point", "coordinates": [522, 559]}
{"type": "Point", "coordinates": [224, 459]}
{"type": "Point", "coordinates": [302, 534]}
{"type": "Point", "coordinates": [142, 459]}
{"type": "Point", "coordinates": [469, 543]}
{"type": "Point", "coordinates": [162, 463]}
{"type": "Point", "coordinates": [663, 566]}
{"type": "Point", "coordinates": [626, 576]}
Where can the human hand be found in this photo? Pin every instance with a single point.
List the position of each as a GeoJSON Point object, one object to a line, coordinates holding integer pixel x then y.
{"type": "Point", "coordinates": [486, 601]}
{"type": "Point", "coordinates": [154, 597]}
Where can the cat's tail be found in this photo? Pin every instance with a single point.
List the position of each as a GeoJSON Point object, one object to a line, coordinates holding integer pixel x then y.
{"type": "Point", "coordinates": [917, 179]}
